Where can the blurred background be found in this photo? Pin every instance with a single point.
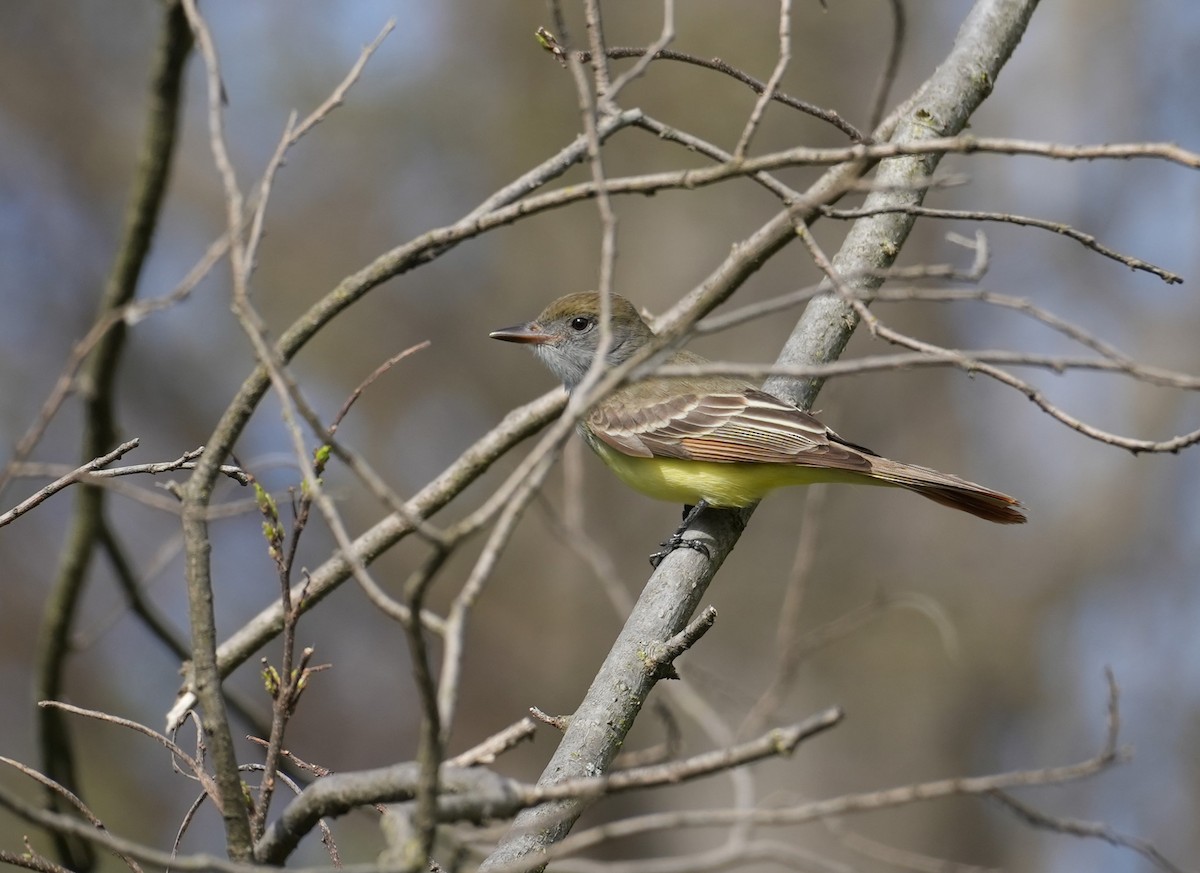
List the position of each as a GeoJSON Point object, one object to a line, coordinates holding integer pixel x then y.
{"type": "Point", "coordinates": [988, 653]}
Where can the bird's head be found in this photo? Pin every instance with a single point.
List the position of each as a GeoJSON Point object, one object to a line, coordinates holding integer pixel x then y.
{"type": "Point", "coordinates": [566, 334]}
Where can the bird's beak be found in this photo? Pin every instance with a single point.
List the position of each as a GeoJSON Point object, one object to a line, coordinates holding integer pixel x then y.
{"type": "Point", "coordinates": [530, 333]}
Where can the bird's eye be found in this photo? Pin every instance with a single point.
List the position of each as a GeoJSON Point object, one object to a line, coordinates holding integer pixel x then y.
{"type": "Point", "coordinates": [580, 323]}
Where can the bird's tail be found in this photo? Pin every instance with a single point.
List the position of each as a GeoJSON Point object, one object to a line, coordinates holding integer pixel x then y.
{"type": "Point", "coordinates": [950, 491]}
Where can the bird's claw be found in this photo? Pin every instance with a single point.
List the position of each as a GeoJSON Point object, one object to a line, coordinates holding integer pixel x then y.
{"type": "Point", "coordinates": [676, 541]}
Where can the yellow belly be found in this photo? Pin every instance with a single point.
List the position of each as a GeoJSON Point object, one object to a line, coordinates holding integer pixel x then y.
{"type": "Point", "coordinates": [717, 484]}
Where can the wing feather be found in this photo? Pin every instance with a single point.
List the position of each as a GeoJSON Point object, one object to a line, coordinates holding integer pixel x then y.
{"type": "Point", "coordinates": [746, 426]}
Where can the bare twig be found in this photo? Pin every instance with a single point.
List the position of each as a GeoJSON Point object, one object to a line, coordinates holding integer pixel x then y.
{"type": "Point", "coordinates": [787, 630]}
{"type": "Point", "coordinates": [153, 499]}
{"type": "Point", "coordinates": [969, 360]}
{"type": "Point", "coordinates": [650, 183]}
{"type": "Point", "coordinates": [475, 794]}
{"type": "Point", "coordinates": [696, 144]}
{"type": "Point", "coordinates": [495, 745]}
{"type": "Point", "coordinates": [71, 798]}
{"type": "Point", "coordinates": [664, 39]}
{"type": "Point", "coordinates": [205, 679]}
{"type": "Point", "coordinates": [31, 860]}
{"type": "Point", "coordinates": [1136, 446]}
{"type": "Point", "coordinates": [717, 65]}
{"type": "Point", "coordinates": [558, 722]}
{"type": "Point", "coordinates": [1084, 239]}
{"type": "Point", "coordinates": [838, 806]}
{"type": "Point", "coordinates": [598, 59]}
{"type": "Point", "coordinates": [781, 65]}
{"type": "Point", "coordinates": [73, 827]}
{"type": "Point", "coordinates": [193, 764]}
{"type": "Point", "coordinates": [70, 479]}
{"type": "Point", "coordinates": [183, 462]}
{"type": "Point", "coordinates": [1087, 829]}
{"type": "Point", "coordinates": [887, 76]}
{"type": "Point", "coordinates": [338, 95]}
{"type": "Point", "coordinates": [661, 658]}
{"type": "Point", "coordinates": [851, 297]}
{"type": "Point", "coordinates": [367, 382]}
{"type": "Point", "coordinates": [777, 742]}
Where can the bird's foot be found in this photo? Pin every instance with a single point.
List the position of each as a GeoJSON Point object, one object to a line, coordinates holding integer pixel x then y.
{"type": "Point", "coordinates": [676, 540]}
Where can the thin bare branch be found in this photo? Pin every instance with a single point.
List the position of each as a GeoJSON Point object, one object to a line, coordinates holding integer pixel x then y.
{"type": "Point", "coordinates": [665, 38]}
{"type": "Point", "coordinates": [838, 806]}
{"type": "Point", "coordinates": [969, 360]}
{"type": "Point", "coordinates": [787, 629]}
{"type": "Point", "coordinates": [716, 65]}
{"type": "Point", "coordinates": [1095, 830]}
{"type": "Point", "coordinates": [495, 745]}
{"type": "Point", "coordinates": [650, 183]}
{"type": "Point", "coordinates": [370, 380]}
{"type": "Point", "coordinates": [661, 657]}
{"type": "Point", "coordinates": [205, 679]}
{"type": "Point", "coordinates": [31, 860]}
{"type": "Point", "coordinates": [338, 95]}
{"type": "Point", "coordinates": [70, 479]}
{"type": "Point", "coordinates": [475, 794]}
{"type": "Point", "coordinates": [71, 798]}
{"type": "Point", "coordinates": [1084, 239]}
{"type": "Point", "coordinates": [764, 99]}
{"type": "Point", "coordinates": [891, 66]}
{"type": "Point", "coordinates": [192, 764]}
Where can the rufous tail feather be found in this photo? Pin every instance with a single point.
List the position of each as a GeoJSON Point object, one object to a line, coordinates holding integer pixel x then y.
{"type": "Point", "coordinates": [951, 491]}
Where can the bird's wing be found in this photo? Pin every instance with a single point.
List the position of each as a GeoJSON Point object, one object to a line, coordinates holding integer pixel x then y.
{"type": "Point", "coordinates": [747, 426]}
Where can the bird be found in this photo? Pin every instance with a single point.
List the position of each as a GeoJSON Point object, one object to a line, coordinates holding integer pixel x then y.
{"type": "Point", "coordinates": [715, 440]}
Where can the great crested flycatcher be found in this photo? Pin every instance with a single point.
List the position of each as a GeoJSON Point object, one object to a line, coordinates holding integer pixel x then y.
{"type": "Point", "coordinates": [715, 439]}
